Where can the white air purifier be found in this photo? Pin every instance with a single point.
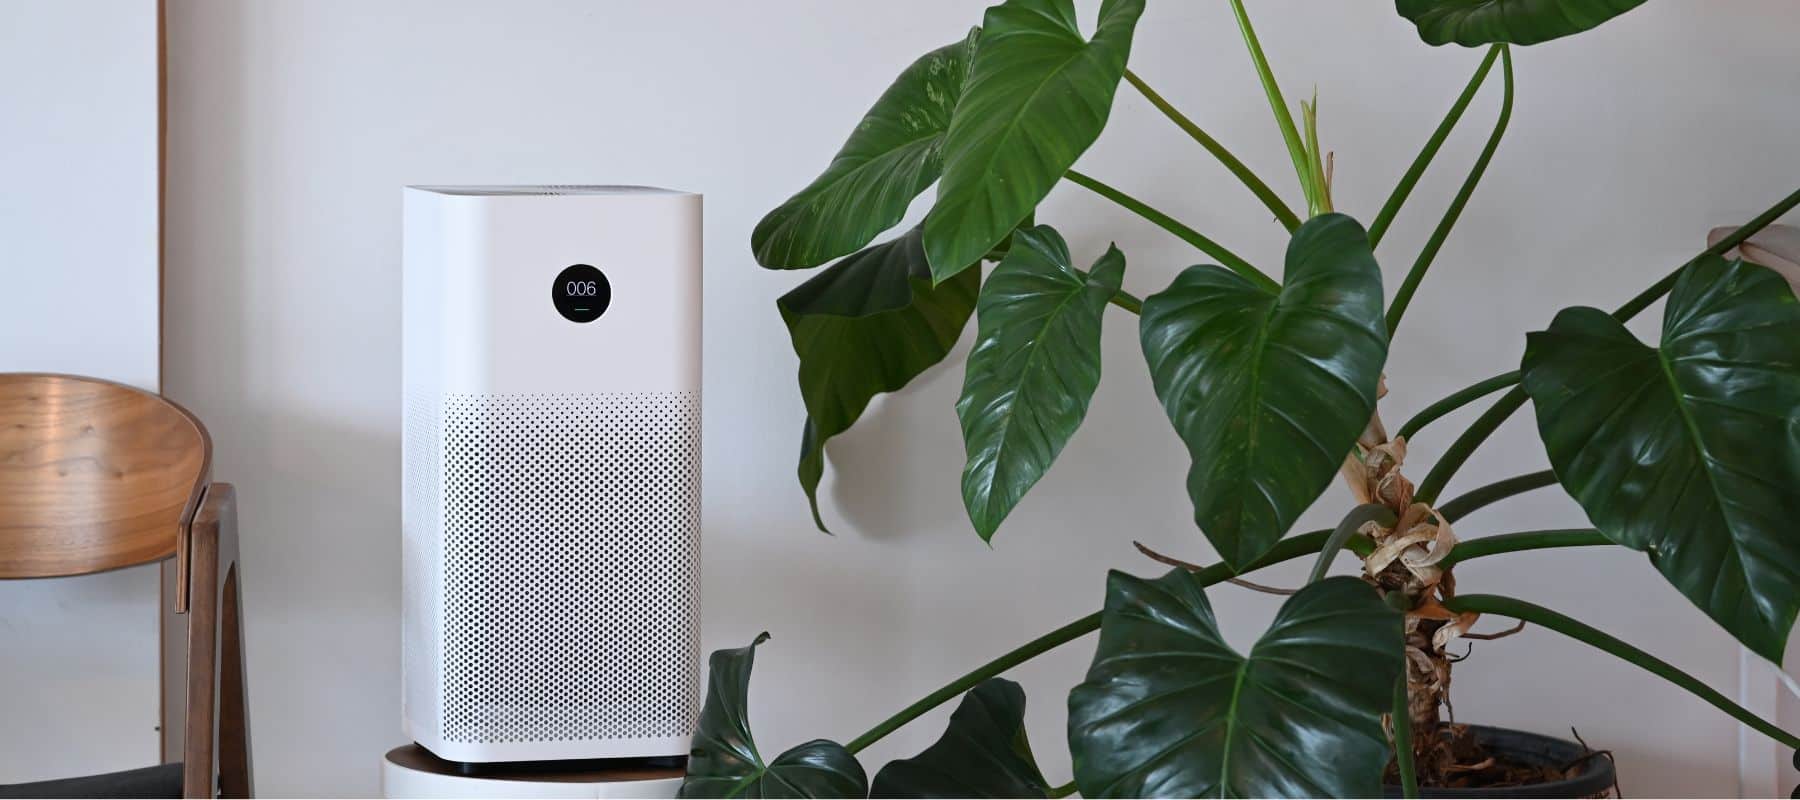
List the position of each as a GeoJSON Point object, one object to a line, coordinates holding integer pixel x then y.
{"type": "Point", "coordinates": [551, 471]}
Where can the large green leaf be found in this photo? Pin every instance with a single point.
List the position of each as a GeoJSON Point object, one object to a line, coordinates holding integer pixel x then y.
{"type": "Point", "coordinates": [724, 761]}
{"type": "Point", "coordinates": [1479, 22]}
{"type": "Point", "coordinates": [894, 153]}
{"type": "Point", "coordinates": [1269, 390]}
{"type": "Point", "coordinates": [1037, 95]}
{"type": "Point", "coordinates": [1690, 451]}
{"type": "Point", "coordinates": [867, 325]}
{"type": "Point", "coordinates": [1034, 368]}
{"type": "Point", "coordinates": [1170, 710]}
{"type": "Point", "coordinates": [983, 753]}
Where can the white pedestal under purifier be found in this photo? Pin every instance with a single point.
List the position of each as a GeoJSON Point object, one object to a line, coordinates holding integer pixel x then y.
{"type": "Point", "coordinates": [411, 772]}
{"type": "Point", "coordinates": [551, 471]}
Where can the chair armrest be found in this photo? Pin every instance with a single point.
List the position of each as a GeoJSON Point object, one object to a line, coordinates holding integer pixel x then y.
{"type": "Point", "coordinates": [218, 728]}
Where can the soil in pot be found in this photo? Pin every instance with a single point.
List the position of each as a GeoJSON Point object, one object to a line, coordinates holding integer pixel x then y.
{"type": "Point", "coordinates": [1508, 763]}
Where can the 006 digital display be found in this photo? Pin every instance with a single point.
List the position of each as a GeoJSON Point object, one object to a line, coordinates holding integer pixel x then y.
{"type": "Point", "coordinates": [581, 293]}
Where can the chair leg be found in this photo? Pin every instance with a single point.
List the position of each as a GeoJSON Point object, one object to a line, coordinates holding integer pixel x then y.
{"type": "Point", "coordinates": [234, 713]}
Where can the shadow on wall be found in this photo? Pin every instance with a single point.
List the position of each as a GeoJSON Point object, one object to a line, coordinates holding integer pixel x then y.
{"type": "Point", "coordinates": [202, 371]}
{"type": "Point", "coordinates": [319, 487]}
{"type": "Point", "coordinates": [1666, 761]}
{"type": "Point", "coordinates": [318, 495]}
{"type": "Point", "coordinates": [906, 445]}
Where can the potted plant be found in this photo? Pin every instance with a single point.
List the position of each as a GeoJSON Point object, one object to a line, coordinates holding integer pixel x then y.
{"type": "Point", "coordinates": [1687, 448]}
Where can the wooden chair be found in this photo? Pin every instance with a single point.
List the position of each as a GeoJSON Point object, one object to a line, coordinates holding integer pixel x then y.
{"type": "Point", "coordinates": [97, 476]}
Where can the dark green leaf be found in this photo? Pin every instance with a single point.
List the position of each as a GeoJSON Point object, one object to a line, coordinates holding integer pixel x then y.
{"type": "Point", "coordinates": [1034, 368]}
{"type": "Point", "coordinates": [999, 251]}
{"type": "Point", "coordinates": [1170, 710]}
{"type": "Point", "coordinates": [1479, 22]}
{"type": "Point", "coordinates": [724, 761]}
{"type": "Point", "coordinates": [1690, 451]}
{"type": "Point", "coordinates": [983, 753]}
{"type": "Point", "coordinates": [812, 469]}
{"type": "Point", "coordinates": [894, 153]}
{"type": "Point", "coordinates": [1037, 95]}
{"type": "Point", "coordinates": [1269, 391]}
{"type": "Point", "coordinates": [867, 325]}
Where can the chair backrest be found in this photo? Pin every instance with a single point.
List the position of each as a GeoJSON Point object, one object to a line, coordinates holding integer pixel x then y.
{"type": "Point", "coordinates": [94, 475]}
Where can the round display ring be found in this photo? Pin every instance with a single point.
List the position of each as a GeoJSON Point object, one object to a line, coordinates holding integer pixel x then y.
{"type": "Point", "coordinates": [581, 293]}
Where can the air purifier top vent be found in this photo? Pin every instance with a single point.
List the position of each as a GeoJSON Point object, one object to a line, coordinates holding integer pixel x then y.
{"type": "Point", "coordinates": [544, 189]}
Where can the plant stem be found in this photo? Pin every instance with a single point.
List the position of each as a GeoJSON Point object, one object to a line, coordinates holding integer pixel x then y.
{"type": "Point", "coordinates": [1404, 189]}
{"type": "Point", "coordinates": [1416, 275]}
{"type": "Point", "coordinates": [1523, 540]}
{"type": "Point", "coordinates": [1646, 297]}
{"type": "Point", "coordinates": [1315, 158]}
{"type": "Point", "coordinates": [1183, 232]}
{"type": "Point", "coordinates": [1484, 426]}
{"type": "Point", "coordinates": [1460, 398]}
{"type": "Point", "coordinates": [1062, 791]}
{"type": "Point", "coordinates": [1538, 615]}
{"type": "Point", "coordinates": [1403, 747]}
{"type": "Point", "coordinates": [1283, 119]}
{"type": "Point", "coordinates": [1285, 550]}
{"type": "Point", "coordinates": [1367, 512]}
{"type": "Point", "coordinates": [1464, 446]}
{"type": "Point", "coordinates": [1231, 163]}
{"type": "Point", "coordinates": [1012, 658]}
{"type": "Point", "coordinates": [1737, 237]}
{"type": "Point", "coordinates": [1464, 504]}
{"type": "Point", "coordinates": [1127, 301]}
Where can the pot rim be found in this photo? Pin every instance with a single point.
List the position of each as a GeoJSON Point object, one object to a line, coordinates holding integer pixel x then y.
{"type": "Point", "coordinates": [1599, 775]}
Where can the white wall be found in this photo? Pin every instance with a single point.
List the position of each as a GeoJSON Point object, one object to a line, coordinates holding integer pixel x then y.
{"type": "Point", "coordinates": [78, 149]}
{"type": "Point", "coordinates": [293, 125]}
{"type": "Point", "coordinates": [78, 294]}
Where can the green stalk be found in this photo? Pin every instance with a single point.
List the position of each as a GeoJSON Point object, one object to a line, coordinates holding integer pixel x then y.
{"type": "Point", "coordinates": [1538, 615]}
{"type": "Point", "coordinates": [1367, 512]}
{"type": "Point", "coordinates": [1423, 160]}
{"type": "Point", "coordinates": [1283, 119]}
{"type": "Point", "coordinates": [1127, 301]}
{"type": "Point", "coordinates": [1403, 747]}
{"type": "Point", "coordinates": [1523, 540]}
{"type": "Point", "coordinates": [1464, 504]}
{"type": "Point", "coordinates": [1484, 426]}
{"type": "Point", "coordinates": [1309, 116]}
{"type": "Point", "coordinates": [1737, 237]}
{"type": "Point", "coordinates": [1464, 446]}
{"type": "Point", "coordinates": [1183, 232]}
{"type": "Point", "coordinates": [1460, 398]}
{"type": "Point", "coordinates": [1416, 275]}
{"type": "Point", "coordinates": [1652, 294]}
{"type": "Point", "coordinates": [1285, 550]}
{"type": "Point", "coordinates": [1010, 659]}
{"type": "Point", "coordinates": [1062, 791]}
{"type": "Point", "coordinates": [1231, 163]}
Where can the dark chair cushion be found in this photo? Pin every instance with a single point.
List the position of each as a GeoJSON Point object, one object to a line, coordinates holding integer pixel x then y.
{"type": "Point", "coordinates": [162, 780]}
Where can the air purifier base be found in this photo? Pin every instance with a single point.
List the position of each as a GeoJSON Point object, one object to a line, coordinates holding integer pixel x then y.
{"type": "Point", "coordinates": [412, 771]}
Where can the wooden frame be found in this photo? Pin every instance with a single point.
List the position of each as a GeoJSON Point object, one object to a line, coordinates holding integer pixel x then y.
{"type": "Point", "coordinates": [217, 711]}
{"type": "Point", "coordinates": [97, 476]}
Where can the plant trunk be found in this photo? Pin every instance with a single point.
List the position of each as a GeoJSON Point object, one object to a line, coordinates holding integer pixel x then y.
{"type": "Point", "coordinates": [1405, 561]}
{"type": "Point", "coordinates": [1427, 674]}
{"type": "Point", "coordinates": [1427, 690]}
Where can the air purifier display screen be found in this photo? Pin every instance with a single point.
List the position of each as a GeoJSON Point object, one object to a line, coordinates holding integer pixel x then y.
{"type": "Point", "coordinates": [581, 293]}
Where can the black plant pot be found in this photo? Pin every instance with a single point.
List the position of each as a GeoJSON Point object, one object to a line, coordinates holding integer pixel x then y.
{"type": "Point", "coordinates": [1596, 777]}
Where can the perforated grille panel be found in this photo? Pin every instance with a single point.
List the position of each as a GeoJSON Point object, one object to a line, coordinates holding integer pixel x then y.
{"type": "Point", "coordinates": [571, 566]}
{"type": "Point", "coordinates": [421, 548]}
